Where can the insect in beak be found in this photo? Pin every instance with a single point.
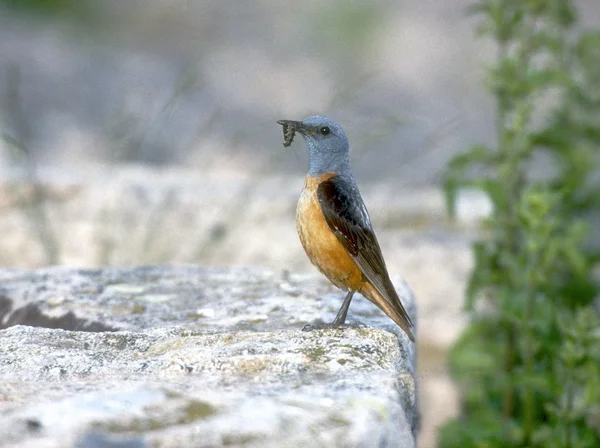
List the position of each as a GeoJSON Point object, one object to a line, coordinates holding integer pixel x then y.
{"type": "Point", "coordinates": [289, 130]}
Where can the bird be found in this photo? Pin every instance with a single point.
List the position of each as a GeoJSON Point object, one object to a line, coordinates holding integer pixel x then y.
{"type": "Point", "coordinates": [334, 225]}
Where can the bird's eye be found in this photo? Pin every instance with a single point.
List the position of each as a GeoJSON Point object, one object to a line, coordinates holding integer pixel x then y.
{"type": "Point", "coordinates": [325, 130]}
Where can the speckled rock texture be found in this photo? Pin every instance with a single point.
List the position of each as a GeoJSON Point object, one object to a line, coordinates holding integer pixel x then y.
{"type": "Point", "coordinates": [185, 356]}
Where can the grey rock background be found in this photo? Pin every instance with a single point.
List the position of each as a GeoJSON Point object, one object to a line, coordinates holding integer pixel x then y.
{"type": "Point", "coordinates": [202, 357]}
{"type": "Point", "coordinates": [137, 215]}
{"type": "Point", "coordinates": [201, 83]}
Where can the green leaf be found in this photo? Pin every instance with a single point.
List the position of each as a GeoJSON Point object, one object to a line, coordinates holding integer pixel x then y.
{"type": "Point", "coordinates": [455, 173]}
{"type": "Point", "coordinates": [529, 360]}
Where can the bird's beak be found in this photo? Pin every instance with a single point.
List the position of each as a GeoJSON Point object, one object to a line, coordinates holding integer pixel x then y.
{"type": "Point", "coordinates": [295, 125]}
{"type": "Point", "coordinates": [289, 130]}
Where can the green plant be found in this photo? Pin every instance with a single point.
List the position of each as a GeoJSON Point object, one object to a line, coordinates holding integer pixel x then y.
{"type": "Point", "coordinates": [530, 357]}
{"type": "Point", "coordinates": [43, 6]}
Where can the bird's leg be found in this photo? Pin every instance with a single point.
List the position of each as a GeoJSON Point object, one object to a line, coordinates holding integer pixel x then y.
{"type": "Point", "coordinates": [339, 319]}
{"type": "Point", "coordinates": [341, 315]}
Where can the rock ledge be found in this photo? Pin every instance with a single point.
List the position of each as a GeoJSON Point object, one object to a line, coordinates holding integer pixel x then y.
{"type": "Point", "coordinates": [186, 356]}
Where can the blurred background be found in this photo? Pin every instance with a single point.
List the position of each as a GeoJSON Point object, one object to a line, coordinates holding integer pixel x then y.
{"type": "Point", "coordinates": [145, 132]}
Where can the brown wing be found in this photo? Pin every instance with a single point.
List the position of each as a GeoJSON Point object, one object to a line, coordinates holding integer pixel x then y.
{"type": "Point", "coordinates": [347, 216]}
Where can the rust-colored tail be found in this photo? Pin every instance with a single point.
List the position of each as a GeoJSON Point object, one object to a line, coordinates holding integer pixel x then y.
{"type": "Point", "coordinates": [397, 313]}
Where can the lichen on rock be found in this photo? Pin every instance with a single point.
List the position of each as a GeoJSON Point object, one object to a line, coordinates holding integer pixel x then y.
{"type": "Point", "coordinates": [163, 370]}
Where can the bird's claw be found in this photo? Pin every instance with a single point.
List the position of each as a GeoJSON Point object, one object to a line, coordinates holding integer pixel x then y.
{"type": "Point", "coordinates": [326, 326]}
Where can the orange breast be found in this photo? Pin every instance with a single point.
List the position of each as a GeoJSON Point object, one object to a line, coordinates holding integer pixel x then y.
{"type": "Point", "coordinates": [321, 245]}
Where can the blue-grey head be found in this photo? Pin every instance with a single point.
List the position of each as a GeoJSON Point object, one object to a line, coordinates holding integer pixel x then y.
{"type": "Point", "coordinates": [328, 149]}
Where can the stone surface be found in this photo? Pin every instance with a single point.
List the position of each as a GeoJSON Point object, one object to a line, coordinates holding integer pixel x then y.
{"type": "Point", "coordinates": [137, 216]}
{"type": "Point", "coordinates": [198, 357]}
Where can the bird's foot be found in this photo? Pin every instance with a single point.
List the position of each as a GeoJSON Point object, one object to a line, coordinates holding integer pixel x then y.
{"type": "Point", "coordinates": [320, 326]}
{"type": "Point", "coordinates": [328, 326]}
